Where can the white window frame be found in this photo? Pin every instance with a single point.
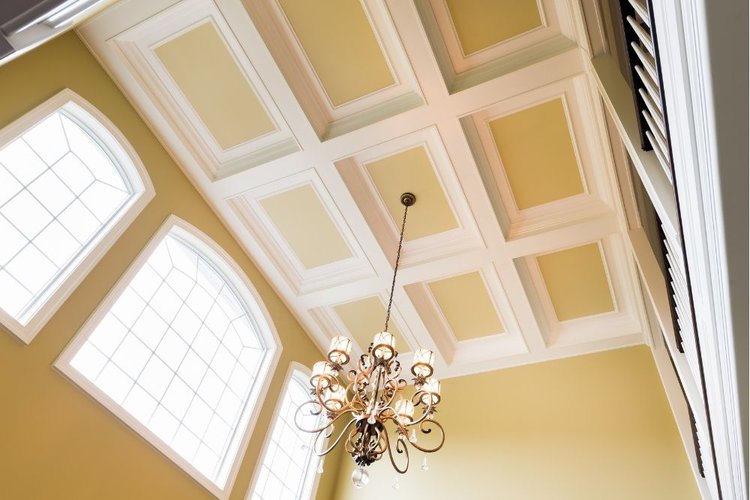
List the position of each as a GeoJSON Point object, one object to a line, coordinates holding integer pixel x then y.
{"type": "Point", "coordinates": [250, 298]}
{"type": "Point", "coordinates": [295, 370]}
{"type": "Point", "coordinates": [115, 144]}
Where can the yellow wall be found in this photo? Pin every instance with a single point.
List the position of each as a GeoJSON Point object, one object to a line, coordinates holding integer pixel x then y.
{"type": "Point", "coordinates": [591, 427]}
{"type": "Point", "coordinates": [55, 441]}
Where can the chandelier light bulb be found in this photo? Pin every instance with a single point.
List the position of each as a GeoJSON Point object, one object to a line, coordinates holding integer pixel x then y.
{"type": "Point", "coordinates": [323, 374]}
{"type": "Point", "coordinates": [334, 397]}
{"type": "Point", "coordinates": [384, 346]}
{"type": "Point", "coordinates": [340, 350]}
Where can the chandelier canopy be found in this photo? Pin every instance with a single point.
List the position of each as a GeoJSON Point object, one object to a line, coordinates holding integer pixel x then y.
{"type": "Point", "coordinates": [367, 403]}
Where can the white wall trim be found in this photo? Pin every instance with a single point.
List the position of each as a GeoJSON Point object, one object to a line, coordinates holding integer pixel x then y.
{"type": "Point", "coordinates": [691, 106]}
{"type": "Point", "coordinates": [251, 299]}
{"type": "Point", "coordinates": [115, 143]}
{"type": "Point", "coordinates": [312, 478]}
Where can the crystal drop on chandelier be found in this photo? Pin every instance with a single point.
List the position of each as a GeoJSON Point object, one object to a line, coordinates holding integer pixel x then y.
{"type": "Point", "coordinates": [360, 477]}
{"type": "Point", "coordinates": [413, 436]}
{"type": "Point", "coordinates": [425, 465]}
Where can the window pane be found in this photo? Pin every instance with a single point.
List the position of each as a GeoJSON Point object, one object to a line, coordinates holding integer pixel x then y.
{"type": "Point", "coordinates": [166, 367]}
{"type": "Point", "coordinates": [59, 189]}
{"type": "Point", "coordinates": [289, 462]}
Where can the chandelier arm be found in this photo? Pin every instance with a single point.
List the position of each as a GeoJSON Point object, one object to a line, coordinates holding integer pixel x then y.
{"type": "Point", "coordinates": [338, 439]}
{"type": "Point", "coordinates": [314, 413]}
{"type": "Point", "coordinates": [426, 413]}
{"type": "Point", "coordinates": [401, 448]}
{"type": "Point", "coordinates": [396, 392]}
{"type": "Point", "coordinates": [395, 268]}
{"type": "Point", "coordinates": [429, 431]}
{"type": "Point", "coordinates": [329, 423]}
{"type": "Point", "coordinates": [319, 397]}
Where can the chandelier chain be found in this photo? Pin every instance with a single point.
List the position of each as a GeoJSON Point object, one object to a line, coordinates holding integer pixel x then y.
{"type": "Point", "coordinates": [395, 269]}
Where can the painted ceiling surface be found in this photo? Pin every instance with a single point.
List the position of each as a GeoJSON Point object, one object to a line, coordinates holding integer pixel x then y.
{"type": "Point", "coordinates": [302, 123]}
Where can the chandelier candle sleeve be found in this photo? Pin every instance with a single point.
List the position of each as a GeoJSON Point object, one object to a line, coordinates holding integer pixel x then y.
{"type": "Point", "coordinates": [340, 351]}
{"type": "Point", "coordinates": [431, 391]}
{"type": "Point", "coordinates": [323, 374]}
{"type": "Point", "coordinates": [423, 363]}
{"type": "Point", "coordinates": [334, 398]}
{"type": "Point", "coordinates": [404, 411]}
{"type": "Point", "coordinates": [384, 345]}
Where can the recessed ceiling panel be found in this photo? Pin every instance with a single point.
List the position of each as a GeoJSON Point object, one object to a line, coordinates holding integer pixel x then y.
{"type": "Point", "coordinates": [212, 81]}
{"type": "Point", "coordinates": [577, 282]}
{"type": "Point", "coordinates": [481, 23]}
{"type": "Point", "coordinates": [413, 170]}
{"type": "Point", "coordinates": [341, 46]}
{"type": "Point", "coordinates": [364, 318]}
{"type": "Point", "coordinates": [304, 223]}
{"type": "Point", "coordinates": [467, 306]}
{"type": "Point", "coordinates": [537, 154]}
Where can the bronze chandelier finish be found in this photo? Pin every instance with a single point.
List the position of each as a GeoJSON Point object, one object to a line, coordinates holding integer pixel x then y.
{"type": "Point", "coordinates": [366, 406]}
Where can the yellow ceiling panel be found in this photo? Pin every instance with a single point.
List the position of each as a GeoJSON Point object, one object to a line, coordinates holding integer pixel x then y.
{"type": "Point", "coordinates": [304, 223]}
{"type": "Point", "coordinates": [482, 23]}
{"type": "Point", "coordinates": [467, 306]}
{"type": "Point", "coordinates": [209, 77]}
{"type": "Point", "coordinates": [577, 282]}
{"type": "Point", "coordinates": [537, 153]}
{"type": "Point", "coordinates": [412, 170]}
{"type": "Point", "coordinates": [341, 46]}
{"type": "Point", "coordinates": [364, 318]}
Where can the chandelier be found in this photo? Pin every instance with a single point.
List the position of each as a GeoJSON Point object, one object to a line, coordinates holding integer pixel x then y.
{"type": "Point", "coordinates": [367, 403]}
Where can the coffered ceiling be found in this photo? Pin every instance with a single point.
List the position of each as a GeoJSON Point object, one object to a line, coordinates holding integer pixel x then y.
{"type": "Point", "coordinates": [302, 123]}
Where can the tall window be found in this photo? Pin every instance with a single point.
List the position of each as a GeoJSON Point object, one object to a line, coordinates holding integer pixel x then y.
{"type": "Point", "coordinates": [65, 183]}
{"type": "Point", "coordinates": [289, 463]}
{"type": "Point", "coordinates": [179, 351]}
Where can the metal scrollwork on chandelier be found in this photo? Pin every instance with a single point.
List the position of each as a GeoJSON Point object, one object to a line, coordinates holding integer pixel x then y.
{"type": "Point", "coordinates": [368, 403]}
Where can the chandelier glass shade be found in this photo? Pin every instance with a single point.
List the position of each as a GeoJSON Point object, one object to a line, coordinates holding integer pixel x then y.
{"type": "Point", "coordinates": [366, 405]}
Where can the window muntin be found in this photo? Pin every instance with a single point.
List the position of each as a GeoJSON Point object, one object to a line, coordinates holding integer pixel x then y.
{"type": "Point", "coordinates": [68, 184]}
{"type": "Point", "coordinates": [289, 463]}
{"type": "Point", "coordinates": [181, 353]}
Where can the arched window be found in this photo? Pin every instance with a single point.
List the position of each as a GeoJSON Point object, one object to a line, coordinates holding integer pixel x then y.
{"type": "Point", "coordinates": [69, 185]}
{"type": "Point", "coordinates": [289, 465]}
{"type": "Point", "coordinates": [180, 350]}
